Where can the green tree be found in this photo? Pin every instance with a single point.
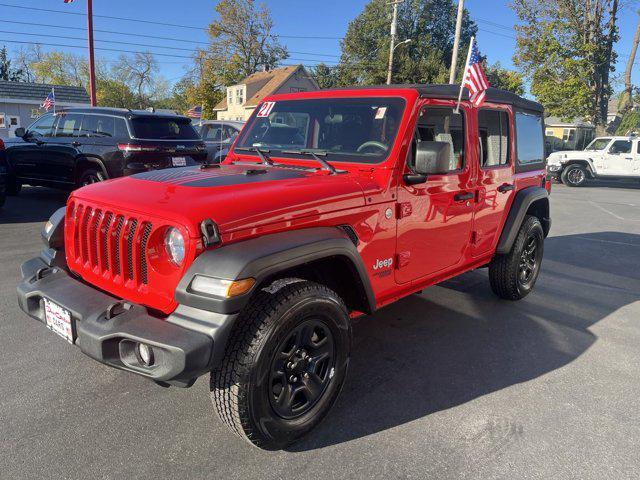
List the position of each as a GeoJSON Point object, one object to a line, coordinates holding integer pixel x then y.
{"type": "Point", "coordinates": [430, 24]}
{"type": "Point", "coordinates": [114, 93]}
{"type": "Point", "coordinates": [499, 77]}
{"type": "Point", "coordinates": [7, 72]}
{"type": "Point", "coordinates": [630, 121]}
{"type": "Point", "coordinates": [565, 50]}
{"type": "Point", "coordinates": [325, 76]}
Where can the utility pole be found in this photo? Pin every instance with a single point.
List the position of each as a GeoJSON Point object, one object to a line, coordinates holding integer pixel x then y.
{"type": "Point", "coordinates": [456, 42]}
{"type": "Point", "coordinates": [394, 21]}
{"type": "Point", "coordinates": [92, 67]}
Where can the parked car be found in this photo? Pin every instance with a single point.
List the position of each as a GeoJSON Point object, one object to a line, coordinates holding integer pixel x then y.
{"type": "Point", "coordinates": [331, 204]}
{"type": "Point", "coordinates": [613, 158]}
{"type": "Point", "coordinates": [79, 146]}
{"type": "Point", "coordinates": [218, 135]}
{"type": "Point", "coordinates": [3, 173]}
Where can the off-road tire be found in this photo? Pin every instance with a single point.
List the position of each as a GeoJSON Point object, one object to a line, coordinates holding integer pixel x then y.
{"type": "Point", "coordinates": [241, 386]}
{"type": "Point", "coordinates": [89, 176]}
{"type": "Point", "coordinates": [505, 270]}
{"type": "Point", "coordinates": [574, 176]}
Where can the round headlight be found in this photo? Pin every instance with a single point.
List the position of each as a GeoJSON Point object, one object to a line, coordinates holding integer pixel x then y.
{"type": "Point", "coordinates": [174, 243]}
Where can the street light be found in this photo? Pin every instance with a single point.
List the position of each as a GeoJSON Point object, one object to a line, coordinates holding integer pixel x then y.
{"type": "Point", "coordinates": [408, 40]}
{"type": "Point", "coordinates": [393, 49]}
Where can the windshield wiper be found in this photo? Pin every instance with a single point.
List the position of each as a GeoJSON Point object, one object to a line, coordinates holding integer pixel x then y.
{"type": "Point", "coordinates": [316, 155]}
{"type": "Point", "coordinates": [260, 151]}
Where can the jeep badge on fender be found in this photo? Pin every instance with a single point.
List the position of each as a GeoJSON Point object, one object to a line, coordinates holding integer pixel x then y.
{"type": "Point", "coordinates": [251, 272]}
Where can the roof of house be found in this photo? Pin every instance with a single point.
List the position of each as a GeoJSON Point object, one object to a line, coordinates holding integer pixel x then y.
{"type": "Point", "coordinates": [262, 84]}
{"type": "Point", "coordinates": [573, 122]}
{"type": "Point", "coordinates": [38, 91]}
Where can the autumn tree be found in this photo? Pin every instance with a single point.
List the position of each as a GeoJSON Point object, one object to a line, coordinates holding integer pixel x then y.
{"type": "Point", "coordinates": [430, 24]}
{"type": "Point", "coordinates": [565, 50]}
{"type": "Point", "coordinates": [242, 40]}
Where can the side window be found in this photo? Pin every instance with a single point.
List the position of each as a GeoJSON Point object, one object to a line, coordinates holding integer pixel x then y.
{"type": "Point", "coordinates": [230, 133]}
{"type": "Point", "coordinates": [68, 125]}
{"type": "Point", "coordinates": [97, 126]}
{"type": "Point", "coordinates": [529, 141]}
{"type": "Point", "coordinates": [620, 146]}
{"type": "Point", "coordinates": [638, 146]}
{"type": "Point", "coordinates": [43, 127]}
{"type": "Point", "coordinates": [212, 132]}
{"type": "Point", "coordinates": [494, 138]}
{"type": "Point", "coordinates": [441, 124]}
{"type": "Point", "coordinates": [120, 128]}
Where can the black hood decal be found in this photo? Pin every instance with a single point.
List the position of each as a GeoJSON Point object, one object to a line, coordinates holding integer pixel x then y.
{"type": "Point", "coordinates": [218, 177]}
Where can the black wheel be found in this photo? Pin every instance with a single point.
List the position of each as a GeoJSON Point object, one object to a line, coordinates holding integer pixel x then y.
{"type": "Point", "coordinates": [574, 176]}
{"type": "Point", "coordinates": [514, 274]}
{"type": "Point", "coordinates": [90, 176]}
{"type": "Point", "coordinates": [285, 363]}
{"type": "Point", "coordinates": [13, 187]}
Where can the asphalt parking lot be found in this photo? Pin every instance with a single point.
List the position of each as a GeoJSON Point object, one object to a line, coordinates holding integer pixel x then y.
{"type": "Point", "coordinates": [452, 383]}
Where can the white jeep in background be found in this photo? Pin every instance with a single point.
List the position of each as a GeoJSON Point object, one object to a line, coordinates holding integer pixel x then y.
{"type": "Point", "coordinates": [605, 158]}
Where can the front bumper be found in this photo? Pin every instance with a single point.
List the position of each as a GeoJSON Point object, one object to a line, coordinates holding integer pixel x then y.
{"type": "Point", "coordinates": [183, 343]}
{"type": "Point", "coordinates": [554, 171]}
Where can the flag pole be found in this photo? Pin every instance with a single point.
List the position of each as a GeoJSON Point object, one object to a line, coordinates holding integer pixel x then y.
{"type": "Point", "coordinates": [464, 72]}
{"type": "Point", "coordinates": [53, 94]}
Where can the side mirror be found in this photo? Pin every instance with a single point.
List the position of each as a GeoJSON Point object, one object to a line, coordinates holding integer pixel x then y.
{"type": "Point", "coordinates": [432, 158]}
{"type": "Point", "coordinates": [20, 132]}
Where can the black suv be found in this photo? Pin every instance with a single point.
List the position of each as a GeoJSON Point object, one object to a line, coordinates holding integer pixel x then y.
{"type": "Point", "coordinates": [78, 146]}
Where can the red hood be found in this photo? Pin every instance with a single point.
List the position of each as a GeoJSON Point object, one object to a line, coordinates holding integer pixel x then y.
{"type": "Point", "coordinates": [236, 197]}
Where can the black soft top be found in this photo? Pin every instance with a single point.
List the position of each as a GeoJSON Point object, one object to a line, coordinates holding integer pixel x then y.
{"type": "Point", "coordinates": [450, 92]}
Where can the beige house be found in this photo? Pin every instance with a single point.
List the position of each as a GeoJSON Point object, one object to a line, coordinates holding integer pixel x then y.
{"type": "Point", "coordinates": [242, 98]}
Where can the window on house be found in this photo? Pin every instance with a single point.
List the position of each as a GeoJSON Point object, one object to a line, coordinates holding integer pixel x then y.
{"type": "Point", "coordinates": [549, 133]}
{"type": "Point", "coordinates": [239, 96]}
{"type": "Point", "coordinates": [493, 130]}
{"type": "Point", "coordinates": [568, 134]}
{"type": "Point", "coordinates": [230, 97]}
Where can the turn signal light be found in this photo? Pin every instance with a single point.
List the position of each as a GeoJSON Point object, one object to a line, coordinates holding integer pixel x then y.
{"type": "Point", "coordinates": [130, 147]}
{"type": "Point", "coordinates": [220, 287]}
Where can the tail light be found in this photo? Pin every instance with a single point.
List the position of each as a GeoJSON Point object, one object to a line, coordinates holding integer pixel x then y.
{"type": "Point", "coordinates": [131, 147]}
{"type": "Point", "coordinates": [1, 144]}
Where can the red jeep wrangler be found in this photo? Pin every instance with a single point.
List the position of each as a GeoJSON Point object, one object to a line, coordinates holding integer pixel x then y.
{"type": "Point", "coordinates": [330, 205]}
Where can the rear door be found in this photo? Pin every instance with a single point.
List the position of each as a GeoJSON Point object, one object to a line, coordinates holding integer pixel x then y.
{"type": "Point", "coordinates": [61, 150]}
{"type": "Point", "coordinates": [618, 158]}
{"type": "Point", "coordinates": [495, 176]}
{"type": "Point", "coordinates": [435, 217]}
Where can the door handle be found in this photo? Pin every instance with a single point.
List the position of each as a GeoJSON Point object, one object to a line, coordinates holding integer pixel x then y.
{"type": "Point", "coordinates": [76, 144]}
{"type": "Point", "coordinates": [460, 197]}
{"type": "Point", "coordinates": [506, 187]}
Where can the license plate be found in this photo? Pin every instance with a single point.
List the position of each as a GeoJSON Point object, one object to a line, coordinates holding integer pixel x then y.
{"type": "Point", "coordinates": [179, 161]}
{"type": "Point", "coordinates": [58, 320]}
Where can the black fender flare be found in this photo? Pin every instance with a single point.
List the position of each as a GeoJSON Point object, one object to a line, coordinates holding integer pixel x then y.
{"type": "Point", "coordinates": [519, 208]}
{"type": "Point", "coordinates": [264, 257]}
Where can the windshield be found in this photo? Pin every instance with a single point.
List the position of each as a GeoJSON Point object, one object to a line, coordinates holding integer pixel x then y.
{"type": "Point", "coordinates": [158, 128]}
{"type": "Point", "coordinates": [347, 129]}
{"type": "Point", "coordinates": [598, 144]}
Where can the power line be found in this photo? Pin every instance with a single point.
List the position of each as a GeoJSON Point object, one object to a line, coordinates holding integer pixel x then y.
{"type": "Point", "coordinates": [141, 52]}
{"type": "Point", "coordinates": [163, 24]}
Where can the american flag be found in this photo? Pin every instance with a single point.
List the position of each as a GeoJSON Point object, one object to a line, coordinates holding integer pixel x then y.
{"type": "Point", "coordinates": [195, 112]}
{"type": "Point", "coordinates": [474, 78]}
{"type": "Point", "coordinates": [49, 102]}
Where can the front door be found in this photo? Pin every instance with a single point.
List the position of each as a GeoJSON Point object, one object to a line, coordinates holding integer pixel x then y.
{"type": "Point", "coordinates": [495, 177]}
{"type": "Point", "coordinates": [24, 154]}
{"type": "Point", "coordinates": [435, 217]}
{"type": "Point", "coordinates": [58, 164]}
{"type": "Point", "coordinates": [636, 159]}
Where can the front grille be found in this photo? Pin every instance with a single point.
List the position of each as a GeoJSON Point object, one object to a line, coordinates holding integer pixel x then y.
{"type": "Point", "coordinates": [110, 244]}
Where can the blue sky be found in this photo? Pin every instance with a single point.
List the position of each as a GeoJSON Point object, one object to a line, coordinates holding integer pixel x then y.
{"type": "Point", "coordinates": [327, 18]}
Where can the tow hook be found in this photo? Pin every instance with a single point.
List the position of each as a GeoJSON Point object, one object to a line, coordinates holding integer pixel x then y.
{"type": "Point", "coordinates": [115, 309]}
